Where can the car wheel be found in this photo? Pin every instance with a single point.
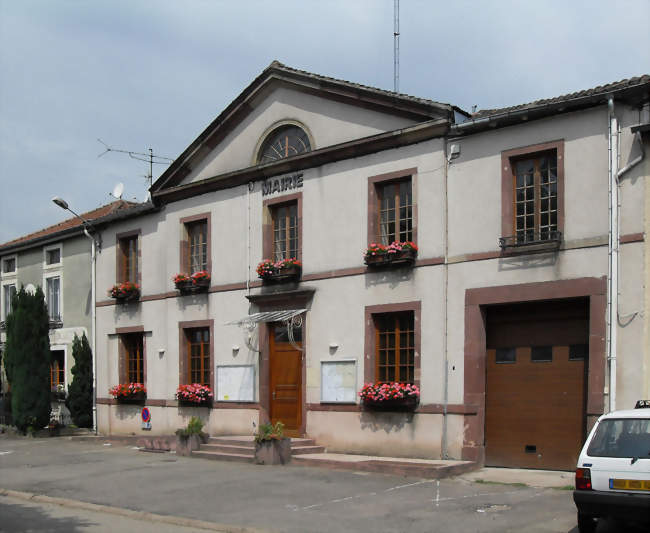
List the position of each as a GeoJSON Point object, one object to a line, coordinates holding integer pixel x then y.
{"type": "Point", "coordinates": [586, 523]}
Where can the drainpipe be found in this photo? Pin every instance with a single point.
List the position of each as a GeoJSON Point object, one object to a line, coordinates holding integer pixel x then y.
{"type": "Point", "coordinates": [613, 248]}
{"type": "Point", "coordinates": [445, 369]}
{"type": "Point", "coordinates": [93, 339]}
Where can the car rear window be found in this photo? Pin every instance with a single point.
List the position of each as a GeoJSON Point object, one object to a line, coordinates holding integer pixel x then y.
{"type": "Point", "coordinates": [621, 437]}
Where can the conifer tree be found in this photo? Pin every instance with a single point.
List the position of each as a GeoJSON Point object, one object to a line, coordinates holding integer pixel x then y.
{"type": "Point", "coordinates": [80, 391]}
{"type": "Point", "coordinates": [27, 359]}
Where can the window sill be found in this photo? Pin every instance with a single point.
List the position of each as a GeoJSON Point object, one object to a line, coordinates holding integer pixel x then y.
{"type": "Point", "coordinates": [512, 244]}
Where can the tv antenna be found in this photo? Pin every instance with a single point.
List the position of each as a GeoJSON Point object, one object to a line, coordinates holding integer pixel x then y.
{"type": "Point", "coordinates": [396, 47]}
{"type": "Point", "coordinates": [150, 158]}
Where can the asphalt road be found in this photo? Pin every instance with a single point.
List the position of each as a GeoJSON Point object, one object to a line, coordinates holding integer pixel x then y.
{"type": "Point", "coordinates": [290, 498]}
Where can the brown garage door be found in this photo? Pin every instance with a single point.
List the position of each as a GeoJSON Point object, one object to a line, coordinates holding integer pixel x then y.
{"type": "Point", "coordinates": [536, 368]}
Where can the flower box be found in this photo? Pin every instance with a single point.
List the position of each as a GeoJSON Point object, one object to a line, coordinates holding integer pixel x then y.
{"type": "Point", "coordinates": [129, 393]}
{"type": "Point", "coordinates": [283, 270]}
{"type": "Point", "coordinates": [125, 292]}
{"type": "Point", "coordinates": [393, 396]}
{"type": "Point", "coordinates": [396, 254]}
{"type": "Point", "coordinates": [198, 282]}
{"type": "Point", "coordinates": [194, 395]}
{"type": "Point", "coordinates": [401, 404]}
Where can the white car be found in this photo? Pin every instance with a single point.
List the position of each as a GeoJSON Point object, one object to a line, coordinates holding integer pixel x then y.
{"type": "Point", "coordinates": [613, 471]}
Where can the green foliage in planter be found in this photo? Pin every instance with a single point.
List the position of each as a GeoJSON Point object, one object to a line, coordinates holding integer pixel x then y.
{"type": "Point", "coordinates": [270, 431]}
{"type": "Point", "coordinates": [80, 392]}
{"type": "Point", "coordinates": [194, 427]}
{"type": "Point", "coordinates": [27, 360]}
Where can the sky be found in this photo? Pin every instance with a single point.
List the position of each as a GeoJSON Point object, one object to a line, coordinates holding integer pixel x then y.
{"type": "Point", "coordinates": [142, 74]}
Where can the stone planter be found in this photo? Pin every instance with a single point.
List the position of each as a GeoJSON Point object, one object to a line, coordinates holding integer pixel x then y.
{"type": "Point", "coordinates": [185, 445]}
{"type": "Point", "coordinates": [273, 452]}
{"type": "Point", "coordinates": [404, 257]}
{"type": "Point", "coordinates": [402, 404]}
{"type": "Point", "coordinates": [378, 261]}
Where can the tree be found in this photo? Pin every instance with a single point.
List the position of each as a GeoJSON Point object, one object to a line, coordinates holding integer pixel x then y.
{"type": "Point", "coordinates": [27, 359]}
{"type": "Point", "coordinates": [80, 391]}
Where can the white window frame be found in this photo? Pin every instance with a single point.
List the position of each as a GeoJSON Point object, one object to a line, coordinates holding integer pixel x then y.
{"type": "Point", "coordinates": [49, 275]}
{"type": "Point", "coordinates": [2, 296]}
{"type": "Point", "coordinates": [64, 348]}
{"type": "Point", "coordinates": [4, 274]}
{"type": "Point", "coordinates": [47, 249]}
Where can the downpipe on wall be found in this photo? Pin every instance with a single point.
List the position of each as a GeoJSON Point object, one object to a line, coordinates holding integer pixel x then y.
{"type": "Point", "coordinates": [613, 249]}
{"type": "Point", "coordinates": [93, 284]}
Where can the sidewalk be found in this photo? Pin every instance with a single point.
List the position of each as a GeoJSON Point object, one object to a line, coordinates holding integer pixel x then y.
{"type": "Point", "coordinates": [514, 476]}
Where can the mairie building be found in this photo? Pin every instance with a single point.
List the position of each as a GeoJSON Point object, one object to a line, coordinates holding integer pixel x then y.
{"type": "Point", "coordinates": [321, 236]}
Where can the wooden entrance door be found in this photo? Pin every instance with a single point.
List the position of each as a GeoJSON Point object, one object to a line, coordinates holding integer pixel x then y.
{"type": "Point", "coordinates": [285, 381]}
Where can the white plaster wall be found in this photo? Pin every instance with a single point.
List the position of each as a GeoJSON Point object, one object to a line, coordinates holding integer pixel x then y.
{"type": "Point", "coordinates": [327, 121]}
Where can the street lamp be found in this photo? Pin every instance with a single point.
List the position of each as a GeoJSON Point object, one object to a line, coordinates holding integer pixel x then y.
{"type": "Point", "coordinates": [95, 247]}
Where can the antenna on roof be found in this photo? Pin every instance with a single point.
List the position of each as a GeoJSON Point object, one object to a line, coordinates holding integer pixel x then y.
{"type": "Point", "coordinates": [396, 47]}
{"type": "Point", "coordinates": [150, 158]}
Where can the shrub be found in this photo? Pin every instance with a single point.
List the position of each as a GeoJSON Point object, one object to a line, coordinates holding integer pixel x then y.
{"type": "Point", "coordinates": [27, 360]}
{"type": "Point", "coordinates": [194, 427]}
{"type": "Point", "coordinates": [80, 391]}
{"type": "Point", "coordinates": [270, 431]}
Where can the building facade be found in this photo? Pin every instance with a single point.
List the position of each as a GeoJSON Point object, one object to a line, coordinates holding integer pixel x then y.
{"type": "Point", "coordinates": [57, 259]}
{"type": "Point", "coordinates": [498, 314]}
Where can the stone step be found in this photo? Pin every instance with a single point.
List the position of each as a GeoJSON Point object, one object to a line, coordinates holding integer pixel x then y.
{"type": "Point", "coordinates": [221, 456]}
{"type": "Point", "coordinates": [228, 448]}
{"type": "Point", "coordinates": [301, 450]}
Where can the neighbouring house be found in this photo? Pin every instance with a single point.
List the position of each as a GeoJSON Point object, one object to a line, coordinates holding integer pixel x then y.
{"type": "Point", "coordinates": [58, 259]}
{"type": "Point", "coordinates": [320, 235]}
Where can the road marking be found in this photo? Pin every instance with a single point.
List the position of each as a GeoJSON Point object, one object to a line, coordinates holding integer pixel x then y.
{"type": "Point", "coordinates": [437, 492]}
{"type": "Point", "coordinates": [5, 453]}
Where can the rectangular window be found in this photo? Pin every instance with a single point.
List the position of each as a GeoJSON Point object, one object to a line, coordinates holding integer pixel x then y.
{"type": "Point", "coordinates": [57, 369]}
{"type": "Point", "coordinates": [285, 231]}
{"type": "Point", "coordinates": [9, 291]}
{"type": "Point", "coordinates": [53, 297]}
{"type": "Point", "coordinates": [133, 345]}
{"type": "Point", "coordinates": [198, 352]}
{"type": "Point", "coordinates": [395, 347]}
{"type": "Point", "coordinates": [9, 265]}
{"type": "Point", "coordinates": [53, 256]}
{"type": "Point", "coordinates": [128, 259]}
{"type": "Point", "coordinates": [197, 246]}
{"type": "Point", "coordinates": [535, 198]}
{"type": "Point", "coordinates": [578, 352]}
{"type": "Point", "coordinates": [506, 355]}
{"type": "Point", "coordinates": [395, 211]}
{"type": "Point", "coordinates": [541, 354]}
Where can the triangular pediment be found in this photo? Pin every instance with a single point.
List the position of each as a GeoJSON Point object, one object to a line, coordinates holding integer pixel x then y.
{"type": "Point", "coordinates": [333, 112]}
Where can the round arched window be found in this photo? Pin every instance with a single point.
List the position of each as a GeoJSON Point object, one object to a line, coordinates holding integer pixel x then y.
{"type": "Point", "coordinates": [284, 142]}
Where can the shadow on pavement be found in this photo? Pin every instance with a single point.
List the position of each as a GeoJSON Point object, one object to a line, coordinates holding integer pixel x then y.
{"type": "Point", "coordinates": [18, 518]}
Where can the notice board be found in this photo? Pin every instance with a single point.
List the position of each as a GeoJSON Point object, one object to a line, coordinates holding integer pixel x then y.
{"type": "Point", "coordinates": [339, 381]}
{"type": "Point", "coordinates": [236, 383]}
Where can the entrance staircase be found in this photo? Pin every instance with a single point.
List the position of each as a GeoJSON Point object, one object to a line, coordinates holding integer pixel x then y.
{"type": "Point", "coordinates": [242, 449]}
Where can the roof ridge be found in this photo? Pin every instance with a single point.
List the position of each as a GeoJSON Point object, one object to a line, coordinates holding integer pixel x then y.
{"type": "Point", "coordinates": [593, 91]}
{"type": "Point", "coordinates": [275, 64]}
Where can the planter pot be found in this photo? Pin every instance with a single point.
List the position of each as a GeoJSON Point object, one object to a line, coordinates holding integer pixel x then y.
{"type": "Point", "coordinates": [288, 273]}
{"type": "Point", "coordinates": [201, 284]}
{"type": "Point", "coordinates": [134, 398]}
{"type": "Point", "coordinates": [378, 261]}
{"type": "Point", "coordinates": [127, 297]}
{"type": "Point", "coordinates": [273, 452]}
{"type": "Point", "coordinates": [401, 404]}
{"type": "Point", "coordinates": [184, 286]}
{"type": "Point", "coordinates": [404, 257]}
{"type": "Point", "coordinates": [190, 403]}
{"type": "Point", "coordinates": [186, 445]}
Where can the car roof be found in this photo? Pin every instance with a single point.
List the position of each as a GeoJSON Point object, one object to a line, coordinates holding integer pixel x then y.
{"type": "Point", "coordinates": [628, 413]}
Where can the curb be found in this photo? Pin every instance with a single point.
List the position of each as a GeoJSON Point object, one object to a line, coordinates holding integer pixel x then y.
{"type": "Point", "coordinates": [128, 513]}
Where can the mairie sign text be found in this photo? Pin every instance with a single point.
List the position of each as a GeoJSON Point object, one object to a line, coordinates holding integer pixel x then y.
{"type": "Point", "coordinates": [282, 184]}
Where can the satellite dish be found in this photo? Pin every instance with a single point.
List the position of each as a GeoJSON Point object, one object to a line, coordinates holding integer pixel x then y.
{"type": "Point", "coordinates": [30, 289]}
{"type": "Point", "coordinates": [117, 191]}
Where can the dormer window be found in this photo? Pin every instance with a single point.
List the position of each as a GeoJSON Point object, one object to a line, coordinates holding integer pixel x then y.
{"type": "Point", "coordinates": [285, 141]}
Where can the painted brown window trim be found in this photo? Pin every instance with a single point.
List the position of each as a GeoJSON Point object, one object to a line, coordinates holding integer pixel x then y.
{"type": "Point", "coordinates": [475, 346]}
{"type": "Point", "coordinates": [183, 370]}
{"type": "Point", "coordinates": [369, 344]}
{"type": "Point", "coordinates": [119, 274]}
{"type": "Point", "coordinates": [267, 222]}
{"type": "Point", "coordinates": [507, 182]}
{"type": "Point", "coordinates": [373, 199]}
{"type": "Point", "coordinates": [122, 355]}
{"type": "Point", "coordinates": [184, 264]}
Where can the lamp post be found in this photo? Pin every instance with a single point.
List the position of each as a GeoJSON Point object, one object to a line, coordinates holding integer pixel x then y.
{"type": "Point", "coordinates": [96, 246]}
